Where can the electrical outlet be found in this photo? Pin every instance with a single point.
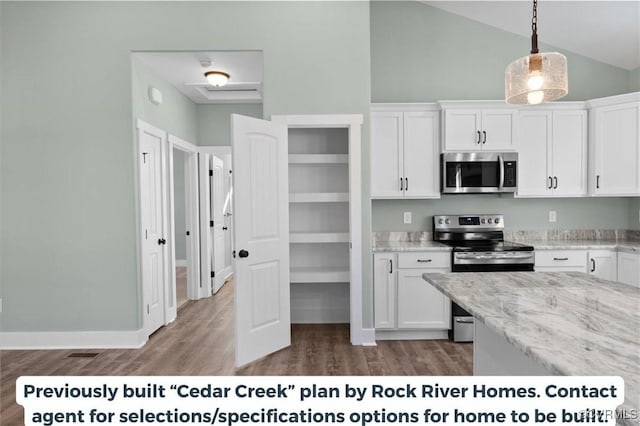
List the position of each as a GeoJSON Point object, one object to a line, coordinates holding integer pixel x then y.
{"type": "Point", "coordinates": [552, 215]}
{"type": "Point", "coordinates": [407, 218]}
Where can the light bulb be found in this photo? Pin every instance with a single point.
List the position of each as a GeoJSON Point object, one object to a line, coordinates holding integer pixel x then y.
{"type": "Point", "coordinates": [217, 78]}
{"type": "Point", "coordinates": [535, 80]}
{"type": "Point", "coordinates": [535, 97]}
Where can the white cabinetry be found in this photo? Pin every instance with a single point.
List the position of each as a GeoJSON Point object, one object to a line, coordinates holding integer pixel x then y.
{"type": "Point", "coordinates": [602, 264]}
{"type": "Point", "coordinates": [384, 282]}
{"type": "Point", "coordinates": [629, 268]}
{"type": "Point", "coordinates": [404, 301]}
{"type": "Point", "coordinates": [561, 261]}
{"type": "Point", "coordinates": [469, 126]}
{"type": "Point", "coordinates": [404, 151]}
{"type": "Point", "coordinates": [552, 153]}
{"type": "Point", "coordinates": [614, 127]}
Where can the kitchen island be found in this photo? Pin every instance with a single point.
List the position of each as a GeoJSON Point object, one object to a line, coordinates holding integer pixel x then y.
{"type": "Point", "coordinates": [562, 323]}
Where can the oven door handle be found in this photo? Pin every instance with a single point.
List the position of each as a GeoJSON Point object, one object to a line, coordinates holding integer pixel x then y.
{"type": "Point", "coordinates": [494, 256]}
{"type": "Point", "coordinates": [501, 165]}
{"type": "Point", "coordinates": [465, 320]}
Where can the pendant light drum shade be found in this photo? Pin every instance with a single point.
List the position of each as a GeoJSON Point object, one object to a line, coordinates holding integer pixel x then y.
{"type": "Point", "coordinates": [536, 78]}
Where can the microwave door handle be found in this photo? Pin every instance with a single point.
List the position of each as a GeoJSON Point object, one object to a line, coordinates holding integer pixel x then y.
{"type": "Point", "coordinates": [501, 165]}
{"type": "Point", "coordinates": [458, 176]}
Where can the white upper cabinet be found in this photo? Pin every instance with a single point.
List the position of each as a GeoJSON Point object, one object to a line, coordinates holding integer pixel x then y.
{"type": "Point", "coordinates": [614, 166]}
{"type": "Point", "coordinates": [478, 126]}
{"type": "Point", "coordinates": [404, 152]}
{"type": "Point", "coordinates": [552, 153]}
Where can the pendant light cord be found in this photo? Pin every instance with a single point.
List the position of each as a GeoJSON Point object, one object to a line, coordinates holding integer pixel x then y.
{"type": "Point", "coordinates": [534, 28]}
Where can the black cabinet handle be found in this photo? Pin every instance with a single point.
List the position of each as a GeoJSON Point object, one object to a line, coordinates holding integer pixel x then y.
{"type": "Point", "coordinates": [484, 140]}
{"type": "Point", "coordinates": [243, 253]}
{"type": "Point", "coordinates": [391, 266]}
{"type": "Point", "coordinates": [478, 141]}
{"type": "Point", "coordinates": [423, 260]}
{"type": "Point", "coordinates": [593, 265]}
{"type": "Point", "coordinates": [550, 182]}
{"type": "Point", "coordinates": [598, 182]}
{"type": "Point", "coordinates": [406, 184]}
{"type": "Point", "coordinates": [401, 184]}
{"type": "Point", "coordinates": [560, 258]}
{"type": "Point", "coordinates": [555, 185]}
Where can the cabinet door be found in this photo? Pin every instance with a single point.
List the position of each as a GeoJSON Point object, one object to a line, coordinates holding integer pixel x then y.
{"type": "Point", "coordinates": [602, 264]}
{"type": "Point", "coordinates": [421, 159]}
{"type": "Point", "coordinates": [534, 133]}
{"type": "Point", "coordinates": [629, 268]}
{"type": "Point", "coordinates": [386, 154]}
{"type": "Point", "coordinates": [498, 130]}
{"type": "Point", "coordinates": [617, 150]}
{"type": "Point", "coordinates": [420, 305]}
{"type": "Point", "coordinates": [569, 153]}
{"type": "Point", "coordinates": [384, 283]}
{"type": "Point", "coordinates": [461, 130]}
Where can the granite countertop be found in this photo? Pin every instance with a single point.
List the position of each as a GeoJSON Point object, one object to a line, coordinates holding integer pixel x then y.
{"type": "Point", "coordinates": [623, 246]}
{"type": "Point", "coordinates": [570, 323]}
{"type": "Point", "coordinates": [386, 246]}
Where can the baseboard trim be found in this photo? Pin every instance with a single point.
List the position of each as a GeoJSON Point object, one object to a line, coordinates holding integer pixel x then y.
{"type": "Point", "coordinates": [319, 315]}
{"type": "Point", "coordinates": [411, 334]}
{"type": "Point", "coordinates": [50, 340]}
{"type": "Point", "coordinates": [366, 337]}
{"type": "Point", "coordinates": [181, 263]}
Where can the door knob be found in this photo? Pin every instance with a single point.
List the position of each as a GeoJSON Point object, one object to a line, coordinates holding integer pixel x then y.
{"type": "Point", "coordinates": [243, 253]}
{"type": "Point", "coordinates": [224, 228]}
{"type": "Point", "coordinates": [162, 241]}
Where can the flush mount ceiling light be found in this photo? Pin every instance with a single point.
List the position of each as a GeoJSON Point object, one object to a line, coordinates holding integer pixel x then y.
{"type": "Point", "coordinates": [217, 78]}
{"type": "Point", "coordinates": [538, 77]}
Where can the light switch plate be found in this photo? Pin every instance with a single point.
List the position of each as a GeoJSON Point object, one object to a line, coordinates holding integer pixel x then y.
{"type": "Point", "coordinates": [407, 218]}
{"type": "Point", "coordinates": [552, 215]}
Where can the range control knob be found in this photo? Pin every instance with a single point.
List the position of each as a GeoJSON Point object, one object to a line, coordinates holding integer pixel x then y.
{"type": "Point", "coordinates": [483, 221]}
{"type": "Point", "coordinates": [448, 221]}
{"type": "Point", "coordinates": [441, 221]}
{"type": "Point", "coordinates": [489, 220]}
{"type": "Point", "coordinates": [497, 220]}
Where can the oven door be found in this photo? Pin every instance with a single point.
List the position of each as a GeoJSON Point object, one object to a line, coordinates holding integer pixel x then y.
{"type": "Point", "coordinates": [477, 172]}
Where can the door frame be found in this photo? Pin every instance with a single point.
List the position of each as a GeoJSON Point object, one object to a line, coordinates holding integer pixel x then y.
{"type": "Point", "coordinates": [192, 201]}
{"type": "Point", "coordinates": [353, 122]}
{"type": "Point", "coordinates": [142, 126]}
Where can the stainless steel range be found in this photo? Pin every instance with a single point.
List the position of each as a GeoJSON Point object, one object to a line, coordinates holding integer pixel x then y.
{"type": "Point", "coordinates": [478, 246]}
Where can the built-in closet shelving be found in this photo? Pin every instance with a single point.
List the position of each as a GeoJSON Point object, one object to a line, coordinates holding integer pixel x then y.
{"type": "Point", "coordinates": [319, 224]}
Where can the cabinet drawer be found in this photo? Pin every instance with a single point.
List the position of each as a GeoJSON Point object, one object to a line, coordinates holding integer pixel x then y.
{"type": "Point", "coordinates": [561, 259]}
{"type": "Point", "coordinates": [425, 260]}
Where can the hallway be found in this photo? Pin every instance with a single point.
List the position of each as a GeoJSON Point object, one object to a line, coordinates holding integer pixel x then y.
{"type": "Point", "coordinates": [200, 342]}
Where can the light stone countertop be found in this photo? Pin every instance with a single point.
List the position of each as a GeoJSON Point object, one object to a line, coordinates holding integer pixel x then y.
{"type": "Point", "coordinates": [392, 246]}
{"type": "Point", "coordinates": [568, 322]}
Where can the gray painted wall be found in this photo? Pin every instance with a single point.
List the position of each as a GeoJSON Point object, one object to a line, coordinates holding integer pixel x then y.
{"type": "Point", "coordinates": [180, 237]}
{"type": "Point", "coordinates": [634, 214]}
{"type": "Point", "coordinates": [422, 54]}
{"type": "Point", "coordinates": [214, 121]}
{"type": "Point", "coordinates": [634, 80]}
{"type": "Point", "coordinates": [177, 114]}
{"type": "Point", "coordinates": [532, 214]}
{"type": "Point", "coordinates": [68, 164]}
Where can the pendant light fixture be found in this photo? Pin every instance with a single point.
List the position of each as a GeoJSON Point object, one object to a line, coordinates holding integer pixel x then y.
{"type": "Point", "coordinates": [217, 78]}
{"type": "Point", "coordinates": [538, 77]}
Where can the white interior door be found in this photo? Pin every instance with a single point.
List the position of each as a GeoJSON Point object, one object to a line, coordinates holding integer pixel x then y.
{"type": "Point", "coordinates": [151, 142]}
{"type": "Point", "coordinates": [217, 196]}
{"type": "Point", "coordinates": [261, 230]}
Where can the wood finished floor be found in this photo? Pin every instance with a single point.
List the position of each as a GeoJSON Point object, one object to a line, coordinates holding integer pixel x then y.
{"type": "Point", "coordinates": [181, 285]}
{"type": "Point", "coordinates": [200, 342]}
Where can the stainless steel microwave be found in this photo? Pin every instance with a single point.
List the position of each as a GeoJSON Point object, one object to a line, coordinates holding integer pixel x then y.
{"type": "Point", "coordinates": [479, 172]}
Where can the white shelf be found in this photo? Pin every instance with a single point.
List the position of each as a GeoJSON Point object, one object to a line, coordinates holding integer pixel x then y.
{"type": "Point", "coordinates": [319, 197]}
{"type": "Point", "coordinates": [319, 275]}
{"type": "Point", "coordinates": [319, 237]}
{"type": "Point", "coordinates": [318, 158]}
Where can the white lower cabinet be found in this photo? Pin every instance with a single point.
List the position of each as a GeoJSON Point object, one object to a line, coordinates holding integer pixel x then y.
{"type": "Point", "coordinates": [404, 301]}
{"type": "Point", "coordinates": [629, 268]}
{"type": "Point", "coordinates": [561, 261]}
{"type": "Point", "coordinates": [602, 264]}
